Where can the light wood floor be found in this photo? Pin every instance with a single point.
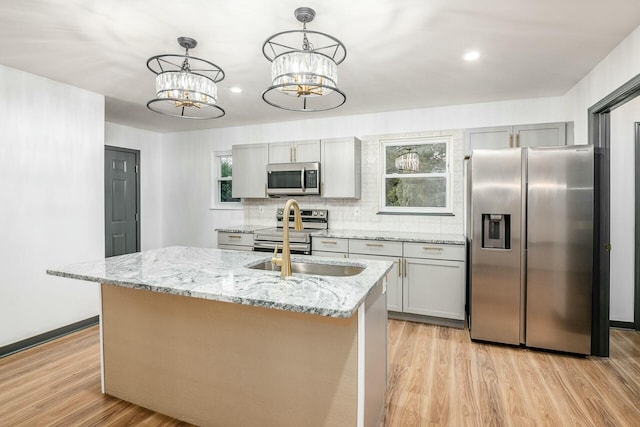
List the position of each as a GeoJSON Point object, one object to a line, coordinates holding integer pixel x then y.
{"type": "Point", "coordinates": [436, 377]}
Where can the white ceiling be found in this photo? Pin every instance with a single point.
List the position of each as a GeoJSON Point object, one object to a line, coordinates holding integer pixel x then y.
{"type": "Point", "coordinates": [401, 54]}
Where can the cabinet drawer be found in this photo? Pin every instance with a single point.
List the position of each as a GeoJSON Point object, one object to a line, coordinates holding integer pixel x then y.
{"type": "Point", "coordinates": [329, 244]}
{"type": "Point", "coordinates": [330, 254]}
{"type": "Point", "coordinates": [240, 239]}
{"type": "Point", "coordinates": [236, 248]}
{"type": "Point", "coordinates": [434, 251]}
{"type": "Point", "coordinates": [375, 247]}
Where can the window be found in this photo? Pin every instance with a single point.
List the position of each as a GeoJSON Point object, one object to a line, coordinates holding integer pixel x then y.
{"type": "Point", "coordinates": [415, 175]}
{"type": "Point", "coordinates": [221, 186]}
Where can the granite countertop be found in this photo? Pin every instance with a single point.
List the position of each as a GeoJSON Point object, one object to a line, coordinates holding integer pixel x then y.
{"type": "Point", "coordinates": [245, 229]}
{"type": "Point", "coordinates": [222, 275]}
{"type": "Point", "coordinates": [435, 238]}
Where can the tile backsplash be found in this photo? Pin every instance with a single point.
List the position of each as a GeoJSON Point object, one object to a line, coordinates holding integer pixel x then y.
{"type": "Point", "coordinates": [362, 214]}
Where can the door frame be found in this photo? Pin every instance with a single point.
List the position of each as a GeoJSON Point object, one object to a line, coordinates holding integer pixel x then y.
{"type": "Point", "coordinates": [600, 136]}
{"type": "Point", "coordinates": [136, 153]}
{"type": "Point", "coordinates": [636, 278]}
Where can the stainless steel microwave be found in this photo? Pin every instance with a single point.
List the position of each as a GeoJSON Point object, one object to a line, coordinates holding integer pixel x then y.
{"type": "Point", "coordinates": [293, 179]}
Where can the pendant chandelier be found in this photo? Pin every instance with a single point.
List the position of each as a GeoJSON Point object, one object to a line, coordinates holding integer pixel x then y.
{"type": "Point", "coordinates": [304, 68]}
{"type": "Point", "coordinates": [185, 85]}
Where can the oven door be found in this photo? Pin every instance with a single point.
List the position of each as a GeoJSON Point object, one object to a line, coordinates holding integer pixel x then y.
{"type": "Point", "coordinates": [296, 248]}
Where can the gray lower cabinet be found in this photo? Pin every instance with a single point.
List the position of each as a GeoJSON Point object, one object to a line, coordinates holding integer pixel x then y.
{"type": "Point", "coordinates": [434, 287]}
{"type": "Point", "coordinates": [434, 280]}
{"type": "Point", "coordinates": [235, 241]}
{"type": "Point", "coordinates": [330, 247]}
{"type": "Point", "coordinates": [426, 279]}
{"type": "Point", "coordinates": [387, 251]}
{"type": "Point", "coordinates": [394, 280]}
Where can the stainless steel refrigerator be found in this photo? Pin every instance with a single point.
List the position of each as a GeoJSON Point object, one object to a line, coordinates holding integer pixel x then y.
{"type": "Point", "coordinates": [531, 239]}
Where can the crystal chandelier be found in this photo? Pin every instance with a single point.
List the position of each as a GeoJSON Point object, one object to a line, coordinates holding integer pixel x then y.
{"type": "Point", "coordinates": [408, 162]}
{"type": "Point", "coordinates": [185, 85]}
{"type": "Point", "coordinates": [304, 68]}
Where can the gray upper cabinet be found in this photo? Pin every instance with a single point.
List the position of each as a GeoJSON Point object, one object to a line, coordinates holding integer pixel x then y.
{"type": "Point", "coordinates": [340, 168]}
{"type": "Point", "coordinates": [534, 135]}
{"type": "Point", "coordinates": [492, 137]}
{"type": "Point", "coordinates": [297, 151]}
{"type": "Point", "coordinates": [540, 135]}
{"type": "Point", "coordinates": [249, 173]}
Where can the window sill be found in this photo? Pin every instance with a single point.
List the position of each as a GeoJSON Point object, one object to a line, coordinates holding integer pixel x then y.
{"type": "Point", "coordinates": [233, 207]}
{"type": "Point", "coordinates": [417, 213]}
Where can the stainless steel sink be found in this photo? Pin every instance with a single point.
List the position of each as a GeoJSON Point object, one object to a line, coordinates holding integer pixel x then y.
{"type": "Point", "coordinates": [339, 270]}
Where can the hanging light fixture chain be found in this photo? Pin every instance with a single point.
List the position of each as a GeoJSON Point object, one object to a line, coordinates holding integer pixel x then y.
{"type": "Point", "coordinates": [185, 64]}
{"type": "Point", "coordinates": [305, 41]}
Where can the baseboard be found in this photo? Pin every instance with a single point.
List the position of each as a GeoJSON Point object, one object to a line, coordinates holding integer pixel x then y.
{"type": "Point", "coordinates": [460, 324]}
{"type": "Point", "coordinates": [622, 325]}
{"type": "Point", "coordinates": [47, 336]}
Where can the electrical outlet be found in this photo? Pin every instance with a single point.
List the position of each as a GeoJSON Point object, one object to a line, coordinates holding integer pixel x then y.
{"type": "Point", "coordinates": [356, 212]}
{"type": "Point", "coordinates": [261, 209]}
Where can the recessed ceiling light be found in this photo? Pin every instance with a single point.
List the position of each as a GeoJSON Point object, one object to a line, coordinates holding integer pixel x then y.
{"type": "Point", "coordinates": [471, 55]}
{"type": "Point", "coordinates": [236, 89]}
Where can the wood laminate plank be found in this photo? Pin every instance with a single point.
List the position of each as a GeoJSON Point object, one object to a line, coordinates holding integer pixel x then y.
{"type": "Point", "coordinates": [436, 377]}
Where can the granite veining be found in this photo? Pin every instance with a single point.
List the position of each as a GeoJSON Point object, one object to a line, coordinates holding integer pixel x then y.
{"type": "Point", "coordinates": [222, 275]}
{"type": "Point", "coordinates": [435, 238]}
{"type": "Point", "coordinates": [244, 229]}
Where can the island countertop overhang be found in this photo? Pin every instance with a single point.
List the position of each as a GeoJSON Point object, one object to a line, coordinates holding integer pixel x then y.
{"type": "Point", "coordinates": [222, 275]}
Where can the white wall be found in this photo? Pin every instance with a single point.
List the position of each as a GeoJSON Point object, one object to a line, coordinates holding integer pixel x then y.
{"type": "Point", "coordinates": [151, 178]}
{"type": "Point", "coordinates": [51, 181]}
{"type": "Point", "coordinates": [188, 219]}
{"type": "Point", "coordinates": [620, 66]}
{"type": "Point", "coordinates": [623, 209]}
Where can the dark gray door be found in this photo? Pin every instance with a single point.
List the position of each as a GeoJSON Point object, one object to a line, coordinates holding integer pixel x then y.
{"type": "Point", "coordinates": [121, 201]}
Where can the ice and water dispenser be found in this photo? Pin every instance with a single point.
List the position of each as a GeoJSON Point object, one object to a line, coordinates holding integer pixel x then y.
{"type": "Point", "coordinates": [496, 231]}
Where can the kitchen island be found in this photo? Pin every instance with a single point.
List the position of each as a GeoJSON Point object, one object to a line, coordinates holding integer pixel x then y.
{"type": "Point", "coordinates": [198, 335]}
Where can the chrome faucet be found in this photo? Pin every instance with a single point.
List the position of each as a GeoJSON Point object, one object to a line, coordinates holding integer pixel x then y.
{"type": "Point", "coordinates": [285, 261]}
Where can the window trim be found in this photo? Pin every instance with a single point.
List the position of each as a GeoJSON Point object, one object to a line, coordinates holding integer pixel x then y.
{"type": "Point", "coordinates": [214, 183]}
{"type": "Point", "coordinates": [382, 175]}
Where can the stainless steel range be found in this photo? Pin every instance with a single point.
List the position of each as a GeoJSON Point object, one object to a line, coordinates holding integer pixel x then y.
{"type": "Point", "coordinates": [300, 241]}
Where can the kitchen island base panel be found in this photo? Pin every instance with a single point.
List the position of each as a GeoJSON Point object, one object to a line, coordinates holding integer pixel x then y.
{"type": "Point", "coordinates": [216, 363]}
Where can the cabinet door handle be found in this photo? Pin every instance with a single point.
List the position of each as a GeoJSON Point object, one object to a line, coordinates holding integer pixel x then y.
{"type": "Point", "coordinates": [432, 248]}
{"type": "Point", "coordinates": [399, 267]}
{"type": "Point", "coordinates": [295, 154]}
{"type": "Point", "coordinates": [233, 236]}
{"type": "Point", "coordinates": [329, 242]}
{"type": "Point", "coordinates": [290, 154]}
{"type": "Point", "coordinates": [346, 255]}
{"type": "Point", "coordinates": [374, 245]}
{"type": "Point", "coordinates": [510, 141]}
{"type": "Point", "coordinates": [518, 139]}
{"type": "Point", "coordinates": [405, 267]}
